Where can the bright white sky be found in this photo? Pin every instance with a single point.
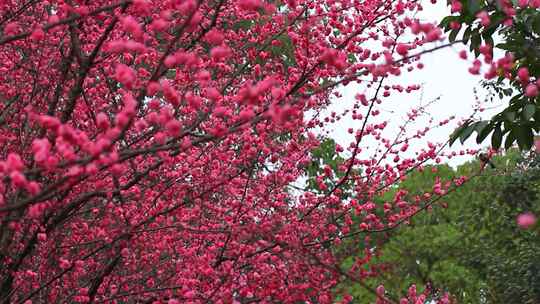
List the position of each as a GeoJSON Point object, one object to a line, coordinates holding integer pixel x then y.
{"type": "Point", "coordinates": [445, 75]}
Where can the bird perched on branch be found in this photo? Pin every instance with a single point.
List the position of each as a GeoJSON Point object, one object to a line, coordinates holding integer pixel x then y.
{"type": "Point", "coordinates": [485, 159]}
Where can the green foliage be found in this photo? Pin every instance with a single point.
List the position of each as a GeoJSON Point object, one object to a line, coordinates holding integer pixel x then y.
{"type": "Point", "coordinates": [472, 249]}
{"type": "Point", "coordinates": [325, 155]}
{"type": "Point", "coordinates": [469, 245]}
{"type": "Point", "coordinates": [285, 50]}
{"type": "Point", "coordinates": [521, 118]}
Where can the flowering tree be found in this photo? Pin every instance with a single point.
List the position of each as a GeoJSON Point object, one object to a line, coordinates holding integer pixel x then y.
{"type": "Point", "coordinates": [149, 147]}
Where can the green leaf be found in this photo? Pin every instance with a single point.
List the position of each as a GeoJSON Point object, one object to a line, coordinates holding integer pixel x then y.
{"type": "Point", "coordinates": [467, 133]}
{"type": "Point", "coordinates": [483, 129]}
{"type": "Point", "coordinates": [510, 115]}
{"type": "Point", "coordinates": [488, 39]}
{"type": "Point", "coordinates": [507, 47]}
{"type": "Point", "coordinates": [243, 24]}
{"type": "Point", "coordinates": [510, 138]}
{"type": "Point", "coordinates": [525, 137]}
{"type": "Point", "coordinates": [474, 6]}
{"type": "Point", "coordinates": [445, 22]}
{"type": "Point", "coordinates": [467, 35]}
{"type": "Point", "coordinates": [453, 35]}
{"type": "Point", "coordinates": [457, 132]}
{"type": "Point", "coordinates": [476, 40]}
{"type": "Point", "coordinates": [528, 111]}
{"type": "Point", "coordinates": [170, 74]}
{"type": "Point", "coordinates": [536, 24]}
{"type": "Point", "coordinates": [515, 99]}
{"type": "Point", "coordinates": [496, 138]}
{"type": "Point", "coordinates": [285, 50]}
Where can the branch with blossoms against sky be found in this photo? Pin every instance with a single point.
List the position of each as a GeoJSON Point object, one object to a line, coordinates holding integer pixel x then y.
{"type": "Point", "coordinates": [148, 146]}
{"type": "Point", "coordinates": [375, 206]}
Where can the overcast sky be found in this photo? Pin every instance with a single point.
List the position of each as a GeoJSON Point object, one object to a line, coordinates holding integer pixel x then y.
{"type": "Point", "coordinates": [445, 75]}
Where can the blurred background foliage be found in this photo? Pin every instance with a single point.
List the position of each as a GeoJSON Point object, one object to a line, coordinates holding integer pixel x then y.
{"type": "Point", "coordinates": [468, 245]}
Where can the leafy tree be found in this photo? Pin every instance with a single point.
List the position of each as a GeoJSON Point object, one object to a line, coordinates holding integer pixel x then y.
{"type": "Point", "coordinates": [468, 245]}
{"type": "Point", "coordinates": [481, 24]}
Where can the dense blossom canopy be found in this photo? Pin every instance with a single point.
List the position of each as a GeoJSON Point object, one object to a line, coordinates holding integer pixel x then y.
{"type": "Point", "coordinates": [149, 147]}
